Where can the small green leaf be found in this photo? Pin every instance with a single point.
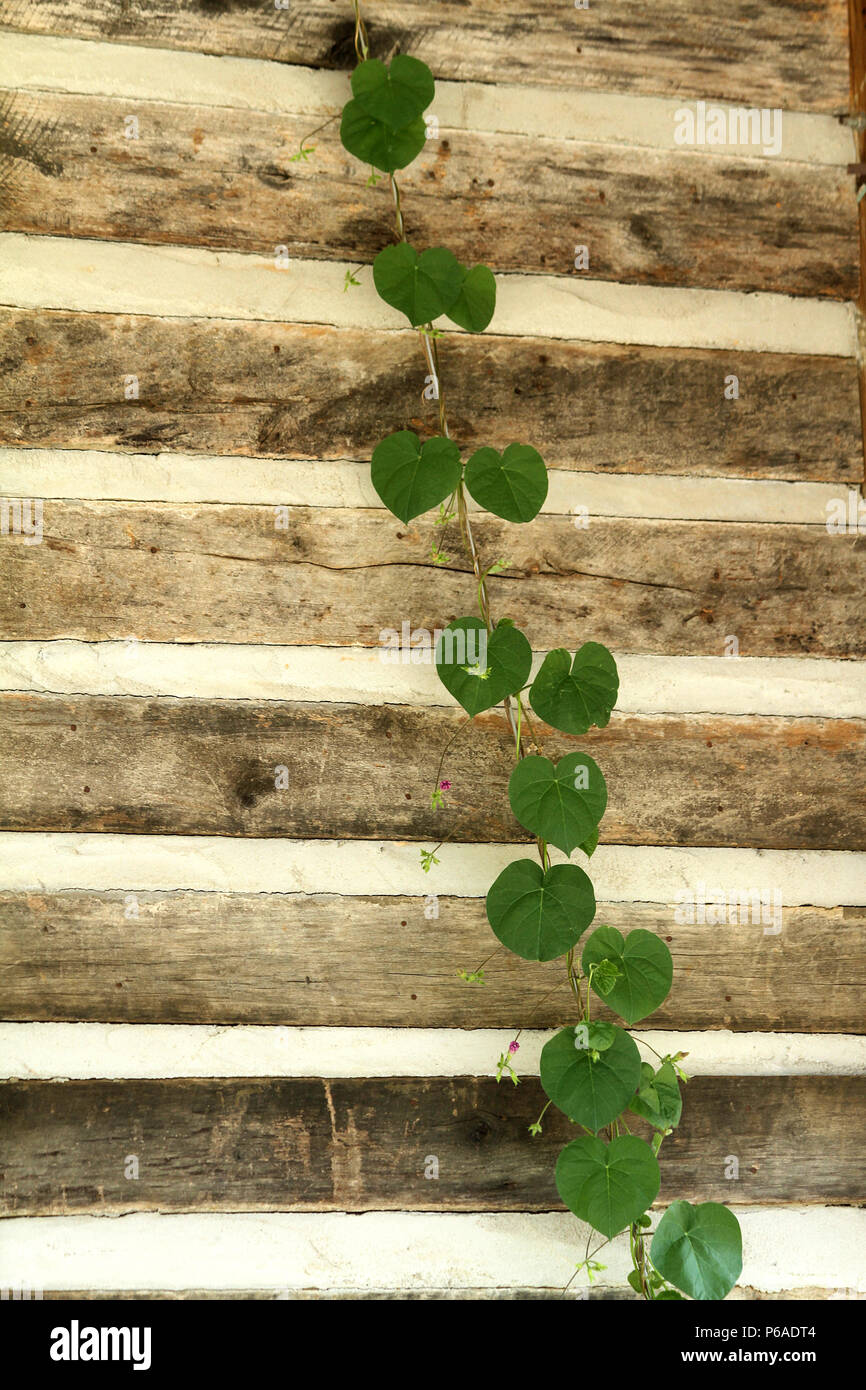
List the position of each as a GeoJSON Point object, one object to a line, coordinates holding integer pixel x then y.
{"type": "Point", "coordinates": [480, 669]}
{"type": "Point", "coordinates": [394, 95]}
{"type": "Point", "coordinates": [473, 308]}
{"type": "Point", "coordinates": [645, 966]}
{"type": "Point", "coordinates": [634, 1279]}
{"type": "Point", "coordinates": [658, 1099]}
{"type": "Point", "coordinates": [411, 477]}
{"type": "Point", "coordinates": [646, 1221]}
{"type": "Point", "coordinates": [421, 287]}
{"type": "Point", "coordinates": [375, 143]}
{"type": "Point", "coordinates": [608, 1185]}
{"type": "Point", "coordinates": [668, 1295]}
{"type": "Point", "coordinates": [574, 695]}
{"type": "Point", "coordinates": [591, 1092]}
{"type": "Point", "coordinates": [605, 974]}
{"type": "Point", "coordinates": [596, 1037]}
{"type": "Point", "coordinates": [540, 914]}
{"type": "Point", "coordinates": [699, 1249]}
{"type": "Point", "coordinates": [512, 484]}
{"type": "Point", "coordinates": [562, 804]}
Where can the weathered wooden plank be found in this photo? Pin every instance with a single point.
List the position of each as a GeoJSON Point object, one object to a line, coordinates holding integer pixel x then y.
{"type": "Point", "coordinates": [364, 1144]}
{"type": "Point", "coordinates": [200, 176]}
{"type": "Point", "coordinates": [744, 1293]}
{"type": "Point", "coordinates": [572, 1295]}
{"type": "Point", "coordinates": [857, 41]}
{"type": "Point", "coordinates": [345, 577]}
{"type": "Point", "coordinates": [168, 766]}
{"type": "Point", "coordinates": [857, 38]}
{"type": "Point", "coordinates": [295, 391]}
{"type": "Point", "coordinates": [786, 53]}
{"type": "Point", "coordinates": [245, 958]}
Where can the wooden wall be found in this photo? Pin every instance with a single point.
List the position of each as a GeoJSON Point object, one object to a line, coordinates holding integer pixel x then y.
{"type": "Point", "coordinates": [231, 1013]}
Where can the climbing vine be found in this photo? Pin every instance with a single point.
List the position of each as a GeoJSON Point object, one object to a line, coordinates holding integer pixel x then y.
{"type": "Point", "coordinates": [591, 1070]}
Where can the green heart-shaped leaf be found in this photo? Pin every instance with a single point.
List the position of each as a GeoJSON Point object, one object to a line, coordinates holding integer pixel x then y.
{"type": "Point", "coordinates": [375, 143]}
{"type": "Point", "coordinates": [574, 695]}
{"type": "Point", "coordinates": [512, 484]}
{"type": "Point", "coordinates": [645, 966]}
{"type": "Point", "coordinates": [421, 287]}
{"type": "Point", "coordinates": [699, 1249]}
{"type": "Point", "coordinates": [395, 95]}
{"type": "Point", "coordinates": [595, 1037]}
{"type": "Point", "coordinates": [608, 1185]}
{"type": "Point", "coordinates": [480, 669]}
{"type": "Point", "coordinates": [658, 1097]}
{"type": "Point", "coordinates": [473, 308]}
{"type": "Point", "coordinates": [411, 477]}
{"type": "Point", "coordinates": [561, 804]}
{"type": "Point", "coordinates": [540, 914]}
{"type": "Point", "coordinates": [591, 1092]}
{"type": "Point", "coordinates": [590, 844]}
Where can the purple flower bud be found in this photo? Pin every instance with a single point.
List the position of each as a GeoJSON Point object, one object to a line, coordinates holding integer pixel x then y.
{"type": "Point", "coordinates": [514, 1047]}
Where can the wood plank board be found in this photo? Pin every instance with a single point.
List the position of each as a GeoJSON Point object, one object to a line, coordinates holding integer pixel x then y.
{"type": "Point", "coordinates": [363, 1144]}
{"type": "Point", "coordinates": [857, 36]}
{"type": "Point", "coordinates": [593, 1295]}
{"type": "Point", "coordinates": [296, 391]}
{"type": "Point", "coordinates": [793, 55]}
{"type": "Point", "coordinates": [347, 577]}
{"type": "Point", "coordinates": [169, 766]}
{"type": "Point", "coordinates": [203, 176]}
{"type": "Point", "coordinates": [367, 961]}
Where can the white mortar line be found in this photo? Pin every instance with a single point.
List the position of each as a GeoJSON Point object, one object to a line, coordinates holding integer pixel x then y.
{"type": "Point", "coordinates": [93, 475]}
{"type": "Point", "coordinates": [773, 686]}
{"type": "Point", "coordinates": [51, 861]}
{"type": "Point", "coordinates": [182, 282]}
{"type": "Point", "coordinates": [45, 63]}
{"type": "Point", "coordinates": [783, 1248]}
{"type": "Point", "coordinates": [78, 1051]}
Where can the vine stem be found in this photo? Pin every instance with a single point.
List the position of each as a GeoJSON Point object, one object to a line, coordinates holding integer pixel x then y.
{"type": "Point", "coordinates": [452, 740]}
{"type": "Point", "coordinates": [362, 43]}
{"type": "Point", "coordinates": [431, 352]}
{"type": "Point", "coordinates": [362, 52]}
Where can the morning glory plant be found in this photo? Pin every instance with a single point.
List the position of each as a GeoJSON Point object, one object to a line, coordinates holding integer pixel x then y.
{"type": "Point", "coordinates": [591, 1069]}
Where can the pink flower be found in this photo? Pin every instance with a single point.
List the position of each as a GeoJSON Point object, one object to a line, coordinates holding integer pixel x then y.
{"type": "Point", "coordinates": [445, 786]}
{"type": "Point", "coordinates": [514, 1047]}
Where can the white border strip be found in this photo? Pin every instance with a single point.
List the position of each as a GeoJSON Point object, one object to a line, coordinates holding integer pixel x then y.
{"type": "Point", "coordinates": [784, 1248]}
{"type": "Point", "coordinates": [118, 1051]}
{"type": "Point", "coordinates": [91, 475]}
{"type": "Point", "coordinates": [52, 861]}
{"type": "Point", "coordinates": [772, 686]}
{"type": "Point", "coordinates": [77, 66]}
{"type": "Point", "coordinates": [184, 282]}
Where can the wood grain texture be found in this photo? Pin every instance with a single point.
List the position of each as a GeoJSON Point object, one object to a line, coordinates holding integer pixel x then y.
{"type": "Point", "coordinates": [344, 577]}
{"type": "Point", "coordinates": [857, 36]}
{"type": "Point", "coordinates": [295, 391]}
{"type": "Point", "coordinates": [362, 1144]}
{"type": "Point", "coordinates": [744, 1293]}
{"type": "Point", "coordinates": [785, 53]}
{"type": "Point", "coordinates": [331, 960]}
{"type": "Point", "coordinates": [169, 766]}
{"type": "Point", "coordinates": [205, 176]}
{"type": "Point", "coordinates": [857, 105]}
